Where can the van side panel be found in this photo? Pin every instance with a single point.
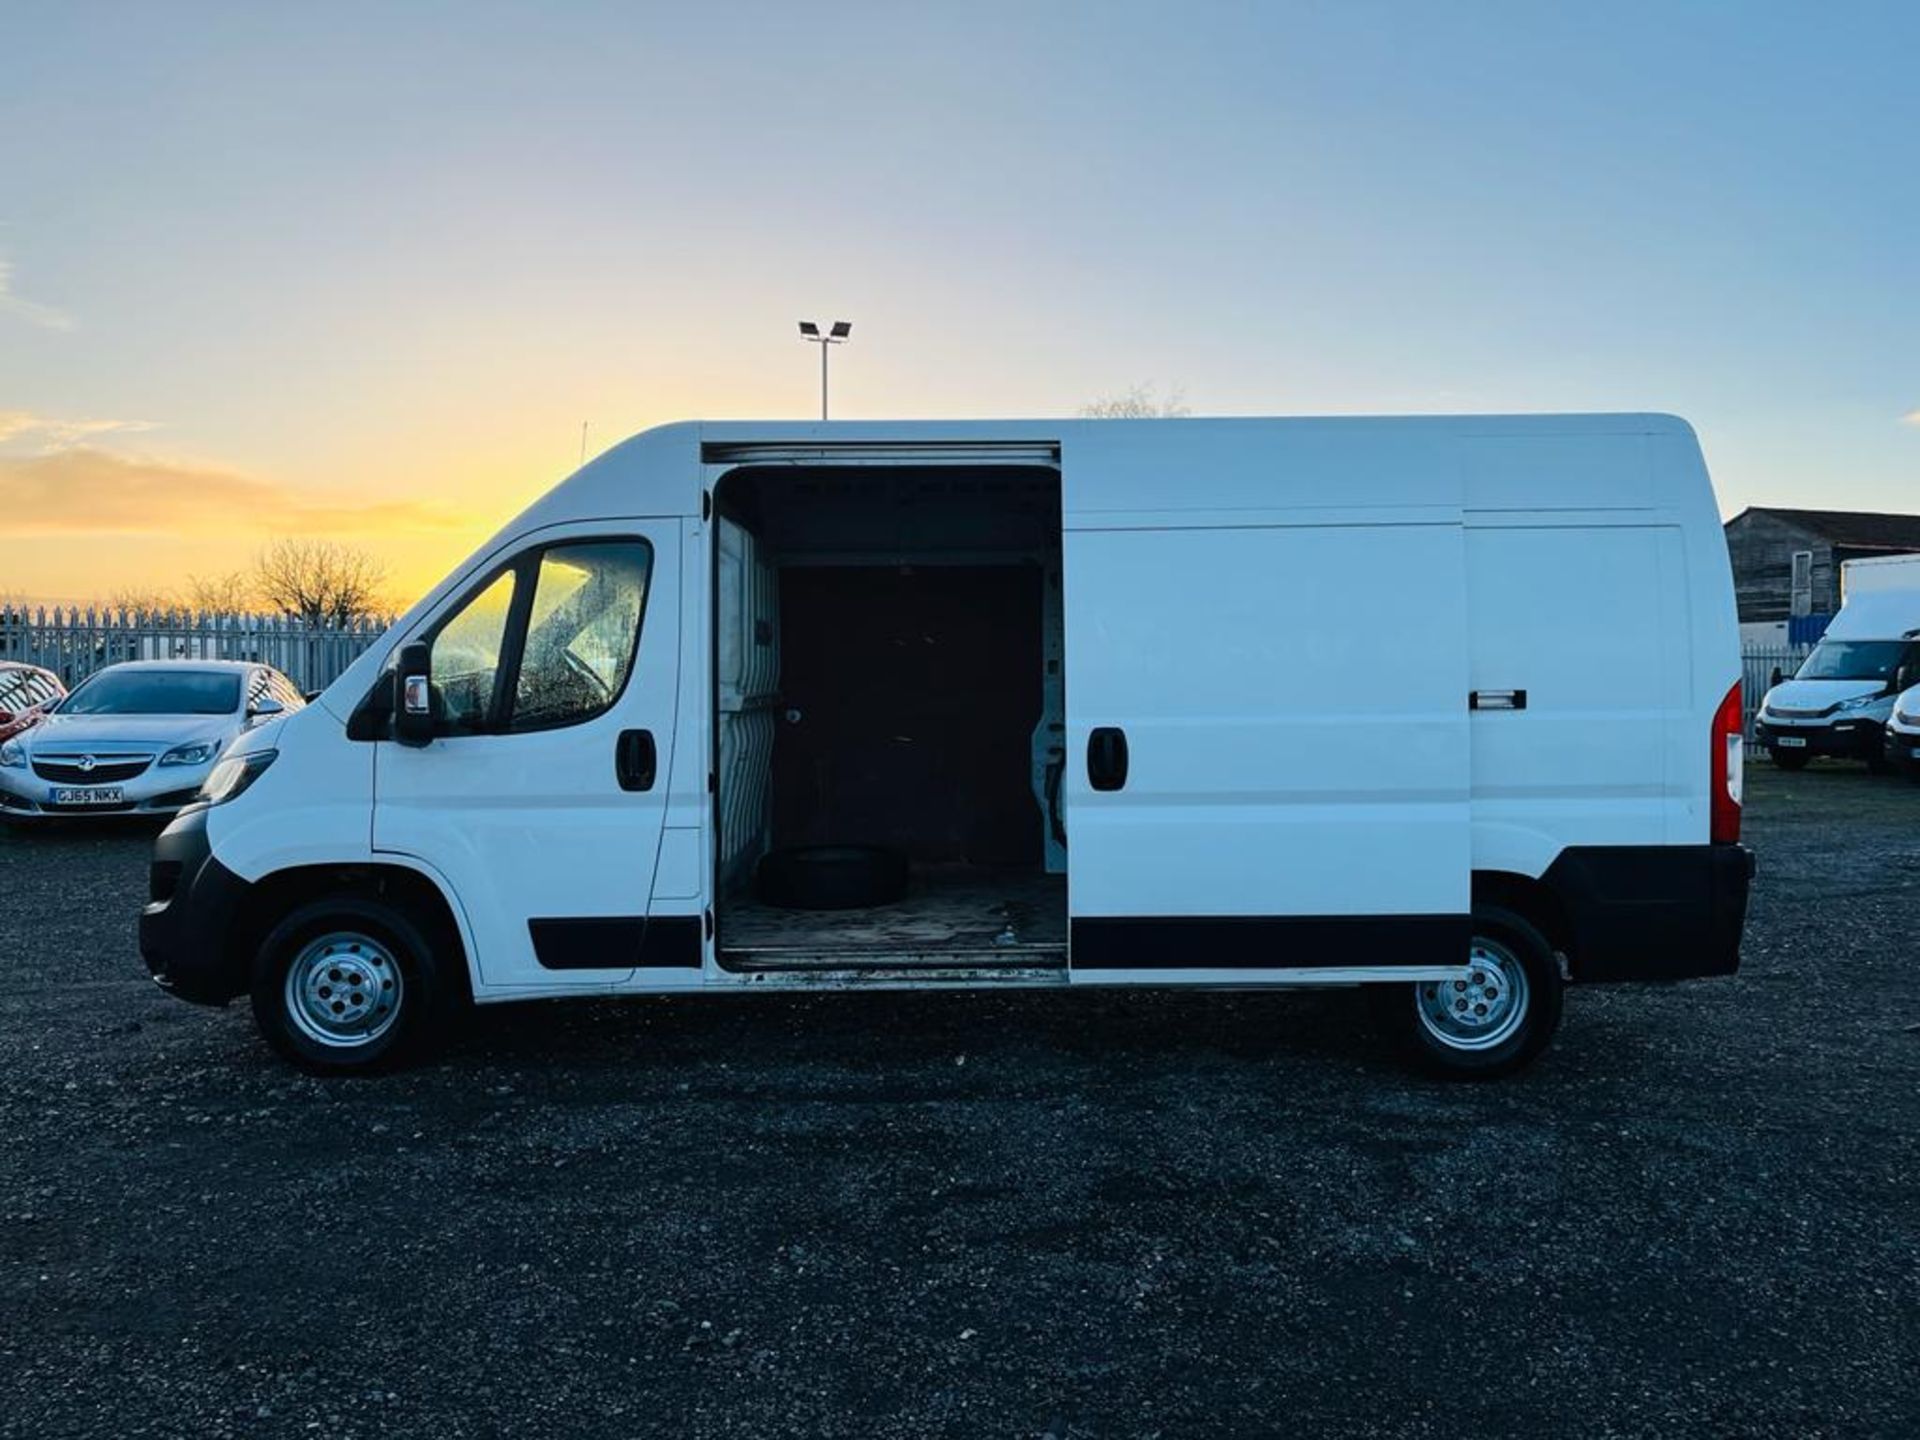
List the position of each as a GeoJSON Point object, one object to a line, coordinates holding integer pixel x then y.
{"type": "Point", "coordinates": [1602, 586]}
{"type": "Point", "coordinates": [1589, 619]}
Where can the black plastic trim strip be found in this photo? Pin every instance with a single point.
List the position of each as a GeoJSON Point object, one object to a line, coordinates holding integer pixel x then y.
{"type": "Point", "coordinates": [617, 942]}
{"type": "Point", "coordinates": [1267, 942]}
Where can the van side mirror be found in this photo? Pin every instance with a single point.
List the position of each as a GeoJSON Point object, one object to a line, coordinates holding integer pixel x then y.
{"type": "Point", "coordinates": [1777, 677]}
{"type": "Point", "coordinates": [413, 717]}
{"type": "Point", "coordinates": [264, 707]}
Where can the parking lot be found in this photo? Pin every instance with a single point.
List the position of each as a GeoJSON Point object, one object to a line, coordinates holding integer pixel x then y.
{"type": "Point", "coordinates": [1017, 1215]}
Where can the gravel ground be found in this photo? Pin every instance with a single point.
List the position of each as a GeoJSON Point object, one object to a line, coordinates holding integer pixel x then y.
{"type": "Point", "coordinates": [1016, 1215]}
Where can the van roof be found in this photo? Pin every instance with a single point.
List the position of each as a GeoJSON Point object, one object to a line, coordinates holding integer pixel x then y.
{"type": "Point", "coordinates": [660, 469]}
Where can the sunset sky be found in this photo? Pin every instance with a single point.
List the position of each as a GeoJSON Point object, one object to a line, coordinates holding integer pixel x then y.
{"type": "Point", "coordinates": [363, 270]}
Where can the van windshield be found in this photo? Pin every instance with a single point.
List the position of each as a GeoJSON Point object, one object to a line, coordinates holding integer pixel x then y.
{"type": "Point", "coordinates": [1852, 660]}
{"type": "Point", "coordinates": [156, 692]}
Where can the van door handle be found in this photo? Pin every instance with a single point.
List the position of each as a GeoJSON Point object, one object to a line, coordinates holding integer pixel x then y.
{"type": "Point", "coordinates": [1496, 700]}
{"type": "Point", "coordinates": [635, 759]}
{"type": "Point", "coordinates": [1107, 757]}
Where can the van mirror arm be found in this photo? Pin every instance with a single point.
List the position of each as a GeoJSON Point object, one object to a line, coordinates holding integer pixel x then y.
{"type": "Point", "coordinates": [372, 718]}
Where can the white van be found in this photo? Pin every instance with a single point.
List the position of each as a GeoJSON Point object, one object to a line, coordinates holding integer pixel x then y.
{"type": "Point", "coordinates": [1840, 699]}
{"type": "Point", "coordinates": [1903, 734]}
{"type": "Point", "coordinates": [1444, 706]}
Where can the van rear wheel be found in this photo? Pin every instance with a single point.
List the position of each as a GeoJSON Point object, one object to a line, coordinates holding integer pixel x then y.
{"type": "Point", "coordinates": [348, 985]}
{"type": "Point", "coordinates": [1490, 1022]}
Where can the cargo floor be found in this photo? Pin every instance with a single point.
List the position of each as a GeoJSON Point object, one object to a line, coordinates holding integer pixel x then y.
{"type": "Point", "coordinates": [952, 914]}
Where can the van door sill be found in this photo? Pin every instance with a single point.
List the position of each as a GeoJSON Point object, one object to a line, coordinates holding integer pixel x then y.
{"type": "Point", "coordinates": [907, 963]}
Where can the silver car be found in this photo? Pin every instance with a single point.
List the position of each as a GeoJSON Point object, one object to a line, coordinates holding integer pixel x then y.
{"type": "Point", "coordinates": [138, 738]}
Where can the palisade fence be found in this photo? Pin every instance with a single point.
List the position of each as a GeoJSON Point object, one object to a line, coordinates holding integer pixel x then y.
{"type": "Point", "coordinates": [73, 643]}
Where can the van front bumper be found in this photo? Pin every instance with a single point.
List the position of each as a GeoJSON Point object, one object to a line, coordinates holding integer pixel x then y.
{"type": "Point", "coordinates": [192, 902]}
{"type": "Point", "coordinates": [1652, 912]}
{"type": "Point", "coordinates": [1842, 740]}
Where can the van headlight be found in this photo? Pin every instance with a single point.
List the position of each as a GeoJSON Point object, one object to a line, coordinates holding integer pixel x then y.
{"type": "Point", "coordinates": [233, 775]}
{"type": "Point", "coordinates": [1859, 702]}
{"type": "Point", "coordinates": [13, 755]}
{"type": "Point", "coordinates": [198, 753]}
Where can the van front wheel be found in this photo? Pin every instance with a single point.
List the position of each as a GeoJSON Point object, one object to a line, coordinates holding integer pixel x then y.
{"type": "Point", "coordinates": [347, 985]}
{"type": "Point", "coordinates": [1491, 1021]}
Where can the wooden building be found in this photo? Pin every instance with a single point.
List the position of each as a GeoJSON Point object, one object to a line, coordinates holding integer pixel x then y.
{"type": "Point", "coordinates": [1786, 563]}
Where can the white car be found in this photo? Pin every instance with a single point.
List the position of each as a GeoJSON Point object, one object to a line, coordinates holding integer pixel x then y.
{"type": "Point", "coordinates": [137, 738]}
{"type": "Point", "coordinates": [1903, 734]}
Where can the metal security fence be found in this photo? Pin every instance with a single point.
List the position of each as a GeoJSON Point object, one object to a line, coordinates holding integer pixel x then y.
{"type": "Point", "coordinates": [74, 643]}
{"type": "Point", "coordinates": [1757, 666]}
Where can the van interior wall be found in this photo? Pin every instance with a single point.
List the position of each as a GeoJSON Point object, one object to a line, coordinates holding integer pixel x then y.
{"type": "Point", "coordinates": [913, 693]}
{"type": "Point", "coordinates": [887, 672]}
{"type": "Point", "coordinates": [747, 661]}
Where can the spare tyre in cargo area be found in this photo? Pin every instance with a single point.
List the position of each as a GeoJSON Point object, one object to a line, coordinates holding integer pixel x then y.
{"type": "Point", "coordinates": [832, 877]}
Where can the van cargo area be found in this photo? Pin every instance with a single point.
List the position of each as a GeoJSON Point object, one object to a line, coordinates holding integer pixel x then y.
{"type": "Point", "coordinates": [888, 662]}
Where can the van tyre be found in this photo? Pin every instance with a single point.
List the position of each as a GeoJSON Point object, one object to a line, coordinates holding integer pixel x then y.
{"type": "Point", "coordinates": [1787, 759]}
{"type": "Point", "coordinates": [1489, 1024]}
{"type": "Point", "coordinates": [350, 985]}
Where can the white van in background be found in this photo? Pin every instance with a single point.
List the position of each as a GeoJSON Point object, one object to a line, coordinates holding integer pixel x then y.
{"type": "Point", "coordinates": [1448, 707]}
{"type": "Point", "coordinates": [1871, 574]}
{"type": "Point", "coordinates": [1839, 701]}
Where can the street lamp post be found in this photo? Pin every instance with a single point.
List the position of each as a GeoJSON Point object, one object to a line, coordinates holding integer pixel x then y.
{"type": "Point", "coordinates": [836, 335]}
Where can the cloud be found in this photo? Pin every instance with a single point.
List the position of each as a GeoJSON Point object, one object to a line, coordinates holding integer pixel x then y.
{"type": "Point", "coordinates": [44, 316]}
{"type": "Point", "coordinates": [1912, 417]}
{"type": "Point", "coordinates": [60, 434]}
{"type": "Point", "coordinates": [84, 491]}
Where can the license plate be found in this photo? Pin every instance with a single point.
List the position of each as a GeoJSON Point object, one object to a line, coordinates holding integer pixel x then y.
{"type": "Point", "coordinates": [1790, 742]}
{"type": "Point", "coordinates": [92, 795]}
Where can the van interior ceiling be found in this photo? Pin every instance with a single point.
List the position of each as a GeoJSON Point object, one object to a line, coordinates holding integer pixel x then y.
{"type": "Point", "coordinates": [888, 657]}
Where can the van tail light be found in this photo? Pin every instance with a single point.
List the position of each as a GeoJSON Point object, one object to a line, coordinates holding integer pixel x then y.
{"type": "Point", "coordinates": [1729, 770]}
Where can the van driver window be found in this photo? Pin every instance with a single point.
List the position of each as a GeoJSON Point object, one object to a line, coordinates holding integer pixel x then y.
{"type": "Point", "coordinates": [582, 631]}
{"type": "Point", "coordinates": [466, 656]}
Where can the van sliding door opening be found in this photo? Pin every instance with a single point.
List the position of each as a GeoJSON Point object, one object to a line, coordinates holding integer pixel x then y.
{"type": "Point", "coordinates": [889, 665]}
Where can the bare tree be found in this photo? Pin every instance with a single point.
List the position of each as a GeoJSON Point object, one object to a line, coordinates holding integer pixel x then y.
{"type": "Point", "coordinates": [319, 581]}
{"type": "Point", "coordinates": [147, 598]}
{"type": "Point", "coordinates": [1140, 402]}
{"type": "Point", "coordinates": [227, 594]}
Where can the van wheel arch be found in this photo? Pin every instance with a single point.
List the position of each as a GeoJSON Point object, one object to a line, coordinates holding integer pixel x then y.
{"type": "Point", "coordinates": [279, 894]}
{"type": "Point", "coordinates": [1534, 901]}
